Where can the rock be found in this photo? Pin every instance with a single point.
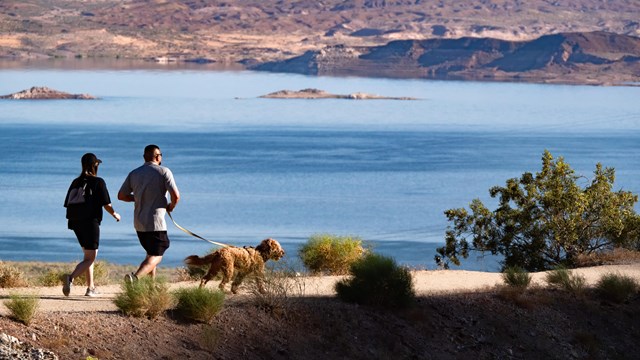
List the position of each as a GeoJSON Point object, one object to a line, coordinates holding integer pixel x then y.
{"type": "Point", "coordinates": [45, 93]}
{"type": "Point", "coordinates": [321, 94]}
{"type": "Point", "coordinates": [12, 348]}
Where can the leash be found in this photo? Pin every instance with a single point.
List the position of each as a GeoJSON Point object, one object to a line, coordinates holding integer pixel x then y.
{"type": "Point", "coordinates": [195, 235]}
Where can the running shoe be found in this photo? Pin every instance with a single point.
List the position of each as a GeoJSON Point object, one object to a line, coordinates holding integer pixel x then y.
{"type": "Point", "coordinates": [66, 287]}
{"type": "Point", "coordinates": [91, 292]}
{"type": "Point", "coordinates": [130, 278]}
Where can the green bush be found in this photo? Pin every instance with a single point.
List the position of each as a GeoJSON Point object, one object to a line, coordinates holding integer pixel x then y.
{"type": "Point", "coordinates": [378, 281]}
{"type": "Point", "coordinates": [516, 277]}
{"type": "Point", "coordinates": [199, 304]}
{"type": "Point", "coordinates": [545, 219]}
{"type": "Point", "coordinates": [11, 277]}
{"type": "Point", "coordinates": [144, 297]}
{"type": "Point", "coordinates": [23, 309]}
{"type": "Point", "coordinates": [616, 288]}
{"type": "Point", "coordinates": [565, 279]}
{"type": "Point", "coordinates": [331, 254]}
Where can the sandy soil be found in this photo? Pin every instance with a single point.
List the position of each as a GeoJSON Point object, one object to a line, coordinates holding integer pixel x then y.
{"type": "Point", "coordinates": [425, 283]}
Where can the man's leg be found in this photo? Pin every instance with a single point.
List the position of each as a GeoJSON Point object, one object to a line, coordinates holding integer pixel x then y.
{"type": "Point", "coordinates": [148, 266]}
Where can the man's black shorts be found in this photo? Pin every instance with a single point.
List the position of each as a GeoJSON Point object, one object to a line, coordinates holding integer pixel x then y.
{"type": "Point", "coordinates": [87, 232]}
{"type": "Point", "coordinates": [154, 242]}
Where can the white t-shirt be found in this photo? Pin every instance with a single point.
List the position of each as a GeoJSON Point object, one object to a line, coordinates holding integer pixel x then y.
{"type": "Point", "coordinates": [149, 184]}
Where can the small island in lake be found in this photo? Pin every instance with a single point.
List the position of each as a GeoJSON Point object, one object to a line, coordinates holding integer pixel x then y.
{"type": "Point", "coordinates": [321, 94]}
{"type": "Point", "coordinates": [45, 93]}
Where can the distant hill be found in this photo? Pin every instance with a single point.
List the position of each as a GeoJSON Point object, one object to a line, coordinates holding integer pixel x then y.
{"type": "Point", "coordinates": [253, 32]}
{"type": "Point", "coordinates": [596, 58]}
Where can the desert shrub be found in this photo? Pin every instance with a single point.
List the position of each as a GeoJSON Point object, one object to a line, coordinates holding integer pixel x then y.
{"type": "Point", "coordinates": [22, 308]}
{"type": "Point", "coordinates": [331, 254]}
{"type": "Point", "coordinates": [199, 304]}
{"type": "Point", "coordinates": [516, 277]}
{"type": "Point", "coordinates": [281, 284]}
{"type": "Point", "coordinates": [52, 277]}
{"type": "Point", "coordinates": [11, 277]}
{"type": "Point", "coordinates": [378, 281]}
{"type": "Point", "coordinates": [565, 279]}
{"type": "Point", "coordinates": [545, 220]}
{"type": "Point", "coordinates": [144, 297]}
{"type": "Point", "coordinates": [616, 287]}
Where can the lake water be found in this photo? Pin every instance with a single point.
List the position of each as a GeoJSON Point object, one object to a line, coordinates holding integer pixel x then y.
{"type": "Point", "coordinates": [251, 168]}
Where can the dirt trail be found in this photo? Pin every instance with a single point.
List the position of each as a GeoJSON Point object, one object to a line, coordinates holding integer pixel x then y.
{"type": "Point", "coordinates": [425, 282]}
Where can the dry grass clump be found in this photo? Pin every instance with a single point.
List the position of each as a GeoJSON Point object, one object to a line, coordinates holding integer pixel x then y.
{"type": "Point", "coordinates": [565, 279]}
{"type": "Point", "coordinates": [615, 256]}
{"type": "Point", "coordinates": [616, 287]}
{"type": "Point", "coordinates": [145, 297]}
{"type": "Point", "coordinates": [516, 281]}
{"type": "Point", "coordinates": [516, 277]}
{"type": "Point", "coordinates": [281, 284]}
{"type": "Point", "coordinates": [55, 276]}
{"type": "Point", "coordinates": [22, 308]}
{"type": "Point", "coordinates": [330, 254]}
{"type": "Point", "coordinates": [11, 277]}
{"type": "Point", "coordinates": [378, 281]}
{"type": "Point", "coordinates": [199, 304]}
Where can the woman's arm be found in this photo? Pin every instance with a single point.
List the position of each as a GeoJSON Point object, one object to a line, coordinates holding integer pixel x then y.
{"type": "Point", "coordinates": [111, 211]}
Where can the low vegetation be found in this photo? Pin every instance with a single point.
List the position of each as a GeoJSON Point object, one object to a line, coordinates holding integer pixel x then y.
{"type": "Point", "coordinates": [22, 308]}
{"type": "Point", "coordinates": [378, 281]}
{"type": "Point", "coordinates": [616, 288]}
{"type": "Point", "coordinates": [11, 277]}
{"type": "Point", "coordinates": [55, 276]}
{"type": "Point", "coordinates": [330, 254]}
{"type": "Point", "coordinates": [199, 304]}
{"type": "Point", "coordinates": [282, 285]}
{"type": "Point", "coordinates": [565, 279]}
{"type": "Point", "coordinates": [516, 277]}
{"type": "Point", "coordinates": [145, 297]}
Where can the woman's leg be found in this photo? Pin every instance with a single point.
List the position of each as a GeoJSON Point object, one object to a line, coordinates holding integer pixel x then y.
{"type": "Point", "coordinates": [86, 265]}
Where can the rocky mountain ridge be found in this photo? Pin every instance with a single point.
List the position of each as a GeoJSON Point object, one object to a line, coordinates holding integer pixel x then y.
{"type": "Point", "coordinates": [562, 58]}
{"type": "Point", "coordinates": [255, 32]}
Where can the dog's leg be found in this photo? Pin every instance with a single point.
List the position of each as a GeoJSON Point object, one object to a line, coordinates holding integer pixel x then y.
{"type": "Point", "coordinates": [227, 275]}
{"type": "Point", "coordinates": [236, 282]}
{"type": "Point", "coordinates": [260, 284]}
{"type": "Point", "coordinates": [213, 271]}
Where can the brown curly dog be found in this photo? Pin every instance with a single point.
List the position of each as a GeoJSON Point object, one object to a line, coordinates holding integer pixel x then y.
{"type": "Point", "coordinates": [239, 261]}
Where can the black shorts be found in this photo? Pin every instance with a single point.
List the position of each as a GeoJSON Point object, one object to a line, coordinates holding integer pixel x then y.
{"type": "Point", "coordinates": [154, 242]}
{"type": "Point", "coordinates": [87, 232]}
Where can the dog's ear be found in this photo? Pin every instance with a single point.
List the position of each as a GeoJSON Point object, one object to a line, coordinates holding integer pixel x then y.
{"type": "Point", "coordinates": [265, 246]}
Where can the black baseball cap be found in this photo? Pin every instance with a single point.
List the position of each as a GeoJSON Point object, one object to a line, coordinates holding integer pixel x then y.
{"type": "Point", "coordinates": [90, 159]}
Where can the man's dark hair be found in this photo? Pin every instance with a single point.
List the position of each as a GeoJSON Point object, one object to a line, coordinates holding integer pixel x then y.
{"type": "Point", "coordinates": [149, 150]}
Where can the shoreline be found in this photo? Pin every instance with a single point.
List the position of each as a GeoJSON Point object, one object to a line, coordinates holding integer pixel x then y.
{"type": "Point", "coordinates": [126, 64]}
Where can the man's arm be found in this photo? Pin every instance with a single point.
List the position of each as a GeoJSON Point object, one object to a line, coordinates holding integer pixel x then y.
{"type": "Point", "coordinates": [175, 197]}
{"type": "Point", "coordinates": [122, 196]}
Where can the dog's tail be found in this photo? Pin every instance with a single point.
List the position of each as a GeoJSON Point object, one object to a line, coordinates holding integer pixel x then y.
{"type": "Point", "coordinates": [199, 261]}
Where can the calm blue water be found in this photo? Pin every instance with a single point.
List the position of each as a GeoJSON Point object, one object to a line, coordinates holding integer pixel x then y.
{"type": "Point", "coordinates": [252, 168]}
